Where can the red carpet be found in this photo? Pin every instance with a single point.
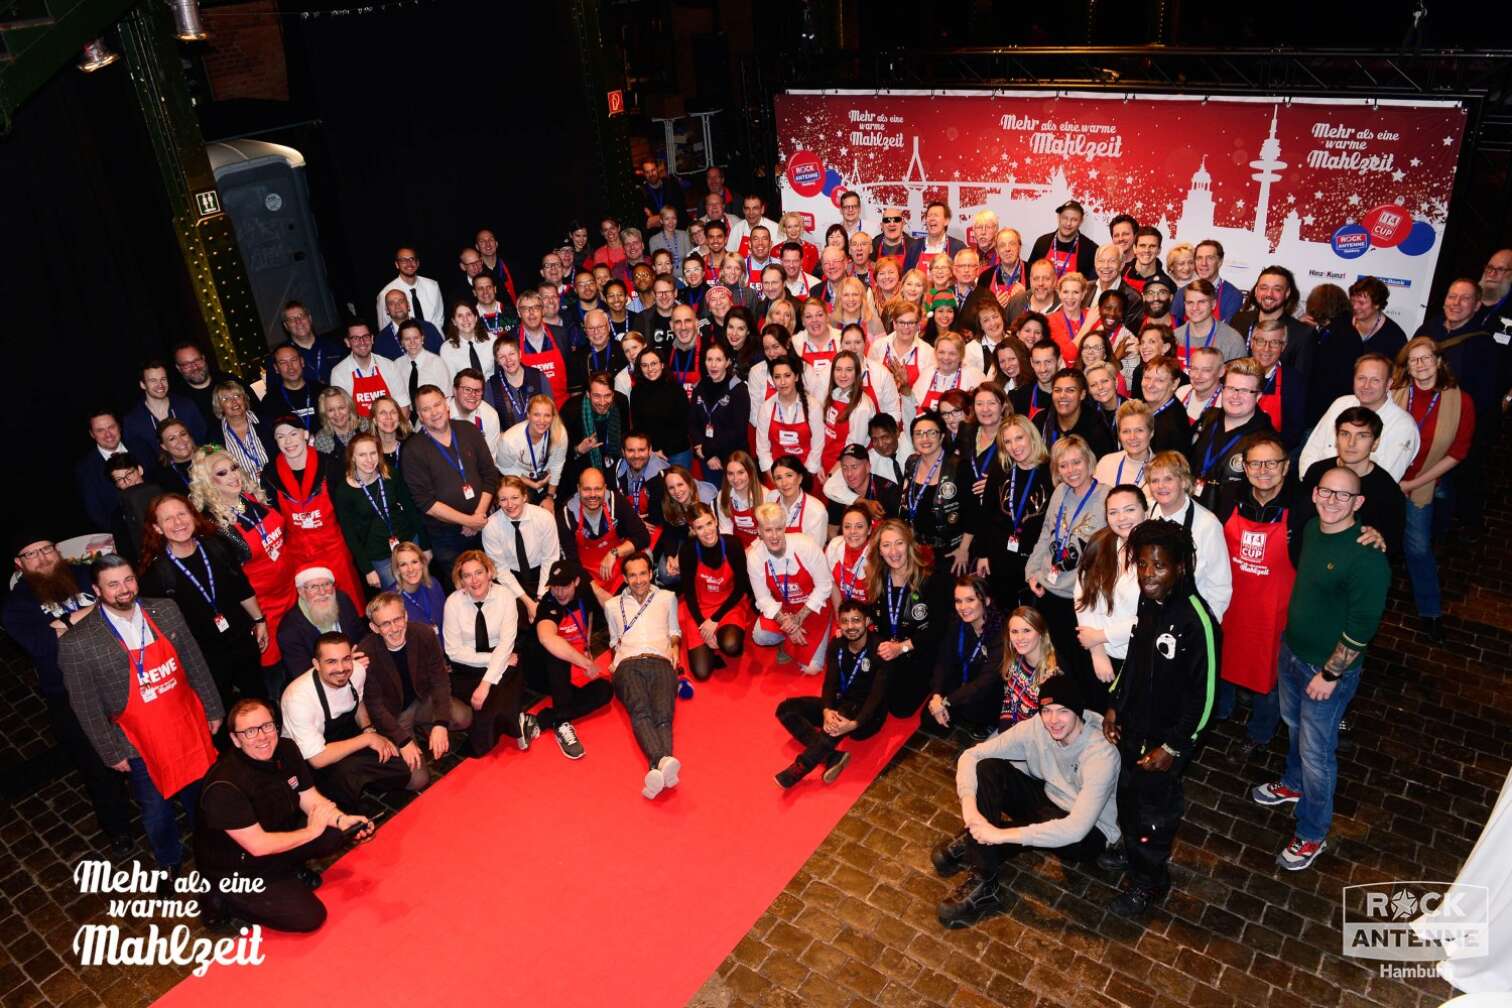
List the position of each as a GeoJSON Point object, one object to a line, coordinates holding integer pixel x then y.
{"type": "Point", "coordinates": [528, 878]}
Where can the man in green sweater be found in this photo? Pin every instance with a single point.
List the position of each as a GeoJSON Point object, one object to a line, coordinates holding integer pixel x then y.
{"type": "Point", "coordinates": [1335, 608]}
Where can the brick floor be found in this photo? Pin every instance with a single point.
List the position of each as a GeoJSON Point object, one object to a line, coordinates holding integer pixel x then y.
{"type": "Point", "coordinates": [856, 927]}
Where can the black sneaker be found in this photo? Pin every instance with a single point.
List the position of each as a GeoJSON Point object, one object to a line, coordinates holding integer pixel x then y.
{"type": "Point", "coordinates": [567, 740]}
{"type": "Point", "coordinates": [834, 763]}
{"type": "Point", "coordinates": [309, 877]}
{"type": "Point", "coordinates": [1244, 750]}
{"type": "Point", "coordinates": [1135, 902]}
{"type": "Point", "coordinates": [949, 856]}
{"type": "Point", "coordinates": [1433, 628]}
{"type": "Point", "coordinates": [1113, 859]}
{"type": "Point", "coordinates": [980, 733]}
{"type": "Point", "coordinates": [972, 898]}
{"type": "Point", "coordinates": [530, 730]}
{"type": "Point", "coordinates": [794, 773]}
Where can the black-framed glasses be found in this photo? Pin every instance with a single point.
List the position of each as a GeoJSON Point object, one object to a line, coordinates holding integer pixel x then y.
{"type": "Point", "coordinates": [248, 734]}
{"type": "Point", "coordinates": [1264, 465]}
{"type": "Point", "coordinates": [892, 220]}
{"type": "Point", "coordinates": [1342, 496]}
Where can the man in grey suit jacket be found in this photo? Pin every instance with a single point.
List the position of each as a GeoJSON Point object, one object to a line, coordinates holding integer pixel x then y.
{"type": "Point", "coordinates": [146, 701]}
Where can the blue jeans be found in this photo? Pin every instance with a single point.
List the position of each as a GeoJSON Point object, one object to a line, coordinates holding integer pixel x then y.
{"type": "Point", "coordinates": [158, 820]}
{"type": "Point", "coordinates": [1422, 567]}
{"type": "Point", "coordinates": [1265, 712]}
{"type": "Point", "coordinates": [1313, 727]}
{"type": "Point", "coordinates": [385, 571]}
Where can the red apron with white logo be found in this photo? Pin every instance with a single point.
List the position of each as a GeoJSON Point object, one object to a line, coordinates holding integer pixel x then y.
{"type": "Point", "coordinates": [910, 363]}
{"type": "Point", "coordinates": [850, 574]}
{"type": "Point", "coordinates": [932, 395]}
{"type": "Point", "coordinates": [1263, 577]}
{"type": "Point", "coordinates": [815, 624]}
{"type": "Point", "coordinates": [591, 551]}
{"type": "Point", "coordinates": [870, 389]}
{"type": "Point", "coordinates": [367, 388]}
{"type": "Point", "coordinates": [744, 521]}
{"type": "Point", "coordinates": [164, 720]}
{"type": "Point", "coordinates": [314, 536]}
{"type": "Point", "coordinates": [713, 587]}
{"type": "Point", "coordinates": [550, 362]}
{"type": "Point", "coordinates": [270, 571]}
{"type": "Point", "coordinates": [790, 438]}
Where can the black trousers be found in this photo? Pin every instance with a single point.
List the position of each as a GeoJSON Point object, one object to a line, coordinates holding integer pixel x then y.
{"type": "Point", "coordinates": [344, 781]}
{"type": "Point", "coordinates": [908, 682]}
{"type": "Point", "coordinates": [553, 677]}
{"type": "Point", "coordinates": [106, 787]}
{"type": "Point", "coordinates": [286, 903]}
{"type": "Point", "coordinates": [647, 686]}
{"type": "Point", "coordinates": [983, 713]}
{"type": "Point", "coordinates": [501, 711]}
{"type": "Point", "coordinates": [1006, 796]}
{"type": "Point", "coordinates": [1150, 806]}
{"type": "Point", "coordinates": [803, 717]}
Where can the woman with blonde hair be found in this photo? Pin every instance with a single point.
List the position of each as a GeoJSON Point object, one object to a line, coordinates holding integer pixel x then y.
{"type": "Point", "coordinates": [535, 449]}
{"type": "Point", "coordinates": [1013, 507]}
{"type": "Point", "coordinates": [226, 494]}
{"type": "Point", "coordinates": [389, 422]}
{"type": "Point", "coordinates": [1181, 263]}
{"type": "Point", "coordinates": [853, 306]}
{"type": "Point", "coordinates": [339, 422]}
{"type": "Point", "coordinates": [375, 510]}
{"type": "Point", "coordinates": [1076, 511]}
{"type": "Point", "coordinates": [950, 371]}
{"type": "Point", "coordinates": [424, 599]}
{"type": "Point", "coordinates": [910, 597]}
{"type": "Point", "coordinates": [241, 431]}
{"type": "Point", "coordinates": [1028, 660]}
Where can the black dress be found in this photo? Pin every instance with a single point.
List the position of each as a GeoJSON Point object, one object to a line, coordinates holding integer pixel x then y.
{"type": "Point", "coordinates": [1008, 526]}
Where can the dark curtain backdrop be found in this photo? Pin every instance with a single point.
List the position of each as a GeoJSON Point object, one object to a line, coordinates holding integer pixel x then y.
{"type": "Point", "coordinates": [430, 122]}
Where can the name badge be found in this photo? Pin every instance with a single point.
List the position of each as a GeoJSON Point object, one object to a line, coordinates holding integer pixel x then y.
{"type": "Point", "coordinates": [1012, 544]}
{"type": "Point", "coordinates": [467, 491]}
{"type": "Point", "coordinates": [221, 623]}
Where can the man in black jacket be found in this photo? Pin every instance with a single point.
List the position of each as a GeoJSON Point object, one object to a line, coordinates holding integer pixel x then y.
{"type": "Point", "coordinates": [850, 705]}
{"type": "Point", "coordinates": [1161, 700]}
{"type": "Point", "coordinates": [596, 420]}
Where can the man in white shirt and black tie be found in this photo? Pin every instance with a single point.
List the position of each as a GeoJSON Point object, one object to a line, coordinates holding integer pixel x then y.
{"type": "Point", "coordinates": [645, 636]}
{"type": "Point", "coordinates": [418, 366]}
{"type": "Point", "coordinates": [424, 293]}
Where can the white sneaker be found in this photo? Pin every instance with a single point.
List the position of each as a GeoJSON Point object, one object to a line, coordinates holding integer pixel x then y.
{"type": "Point", "coordinates": [654, 783]}
{"type": "Point", "coordinates": [670, 767]}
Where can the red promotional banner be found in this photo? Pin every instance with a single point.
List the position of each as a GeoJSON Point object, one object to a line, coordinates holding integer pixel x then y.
{"type": "Point", "coordinates": [1332, 189]}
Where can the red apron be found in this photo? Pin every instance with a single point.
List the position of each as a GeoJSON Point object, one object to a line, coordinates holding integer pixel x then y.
{"type": "Point", "coordinates": [591, 551]}
{"type": "Point", "coordinates": [713, 589]}
{"type": "Point", "coordinates": [270, 571]}
{"type": "Point", "coordinates": [870, 389]}
{"type": "Point", "coordinates": [790, 438]}
{"type": "Point", "coordinates": [744, 522]}
{"type": "Point", "coordinates": [366, 388]}
{"type": "Point", "coordinates": [932, 395]}
{"type": "Point", "coordinates": [685, 371]}
{"type": "Point", "coordinates": [550, 362]}
{"type": "Point", "coordinates": [1263, 577]}
{"type": "Point", "coordinates": [815, 624]}
{"type": "Point", "coordinates": [164, 720]}
{"type": "Point", "coordinates": [314, 536]}
{"type": "Point", "coordinates": [819, 360]}
{"type": "Point", "coordinates": [795, 514]}
{"type": "Point", "coordinates": [1270, 402]}
{"type": "Point", "coordinates": [836, 431]}
{"type": "Point", "coordinates": [910, 365]}
{"type": "Point", "coordinates": [850, 574]}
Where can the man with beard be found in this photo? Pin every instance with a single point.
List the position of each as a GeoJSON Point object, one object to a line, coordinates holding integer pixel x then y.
{"type": "Point", "coordinates": [1275, 297]}
{"type": "Point", "coordinates": [198, 379]}
{"type": "Point", "coordinates": [145, 698]}
{"type": "Point", "coordinates": [655, 323]}
{"type": "Point", "coordinates": [50, 598]}
{"type": "Point", "coordinates": [1159, 292]}
{"type": "Point", "coordinates": [322, 609]}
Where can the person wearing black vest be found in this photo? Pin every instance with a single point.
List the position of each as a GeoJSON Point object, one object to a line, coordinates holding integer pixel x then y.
{"type": "Point", "coordinates": [261, 817]}
{"type": "Point", "coordinates": [323, 714]}
{"type": "Point", "coordinates": [849, 707]}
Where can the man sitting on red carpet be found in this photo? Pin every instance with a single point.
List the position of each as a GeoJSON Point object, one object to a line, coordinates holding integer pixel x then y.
{"type": "Point", "coordinates": [644, 632]}
{"type": "Point", "coordinates": [850, 707]}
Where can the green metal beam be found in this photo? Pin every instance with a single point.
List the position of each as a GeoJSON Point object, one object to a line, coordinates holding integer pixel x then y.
{"type": "Point", "coordinates": [601, 70]}
{"type": "Point", "coordinates": [204, 231]}
{"type": "Point", "coordinates": [37, 53]}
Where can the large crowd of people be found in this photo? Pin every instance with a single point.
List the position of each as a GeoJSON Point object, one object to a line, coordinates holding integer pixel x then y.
{"type": "Point", "coordinates": [1071, 506]}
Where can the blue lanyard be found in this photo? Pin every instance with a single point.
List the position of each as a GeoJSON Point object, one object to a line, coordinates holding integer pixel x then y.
{"type": "Point", "coordinates": [678, 356]}
{"type": "Point", "coordinates": [772, 573]}
{"type": "Point", "coordinates": [856, 660]}
{"type": "Point", "coordinates": [593, 356]}
{"type": "Point", "coordinates": [641, 612]}
{"type": "Point", "coordinates": [1138, 480]}
{"type": "Point", "coordinates": [536, 469]}
{"type": "Point", "coordinates": [1411, 388]}
{"type": "Point", "coordinates": [987, 456]}
{"type": "Point", "coordinates": [1023, 501]}
{"type": "Point", "coordinates": [1061, 513]}
{"type": "Point", "coordinates": [455, 460]}
{"type": "Point", "coordinates": [914, 495]}
{"type": "Point", "coordinates": [255, 452]}
{"type": "Point", "coordinates": [581, 619]}
{"type": "Point", "coordinates": [255, 519]}
{"type": "Point", "coordinates": [1212, 331]}
{"type": "Point", "coordinates": [383, 511]}
{"type": "Point", "coordinates": [709, 413]}
{"type": "Point", "coordinates": [138, 657]}
{"type": "Point", "coordinates": [424, 607]}
{"type": "Point", "coordinates": [966, 659]}
{"type": "Point", "coordinates": [1208, 458]}
{"type": "Point", "coordinates": [295, 409]}
{"type": "Point", "coordinates": [894, 608]}
{"type": "Point", "coordinates": [515, 402]}
{"type": "Point", "coordinates": [849, 586]}
{"type": "Point", "coordinates": [209, 573]}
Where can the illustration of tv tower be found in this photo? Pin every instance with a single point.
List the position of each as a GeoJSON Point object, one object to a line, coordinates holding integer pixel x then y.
{"type": "Point", "coordinates": [1267, 170]}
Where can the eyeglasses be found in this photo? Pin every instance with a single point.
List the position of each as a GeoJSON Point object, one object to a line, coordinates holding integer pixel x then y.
{"type": "Point", "coordinates": [892, 220]}
{"type": "Point", "coordinates": [906, 322]}
{"type": "Point", "coordinates": [1241, 391]}
{"type": "Point", "coordinates": [1259, 341]}
{"type": "Point", "coordinates": [1341, 496]}
{"type": "Point", "coordinates": [1422, 359]}
{"type": "Point", "coordinates": [38, 551]}
{"type": "Point", "coordinates": [1264, 465]}
{"type": "Point", "coordinates": [266, 728]}
{"type": "Point", "coordinates": [924, 432]}
{"type": "Point", "coordinates": [408, 259]}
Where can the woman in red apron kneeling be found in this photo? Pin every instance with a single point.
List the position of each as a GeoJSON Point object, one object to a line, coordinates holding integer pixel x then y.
{"type": "Point", "coordinates": [791, 583]}
{"type": "Point", "coordinates": [716, 588]}
{"type": "Point", "coordinates": [1259, 552]}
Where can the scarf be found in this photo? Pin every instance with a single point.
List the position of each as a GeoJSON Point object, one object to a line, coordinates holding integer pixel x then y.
{"type": "Point", "coordinates": [1445, 427]}
{"type": "Point", "coordinates": [611, 434]}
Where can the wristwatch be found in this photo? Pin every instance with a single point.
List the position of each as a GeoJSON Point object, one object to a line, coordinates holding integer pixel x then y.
{"type": "Point", "coordinates": [1328, 676]}
{"type": "Point", "coordinates": [1174, 753]}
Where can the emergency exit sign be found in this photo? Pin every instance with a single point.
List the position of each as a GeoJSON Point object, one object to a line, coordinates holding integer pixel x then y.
{"type": "Point", "coordinates": [616, 103]}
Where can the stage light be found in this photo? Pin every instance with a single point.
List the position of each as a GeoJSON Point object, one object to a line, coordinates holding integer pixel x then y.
{"type": "Point", "coordinates": [186, 21]}
{"type": "Point", "coordinates": [97, 54]}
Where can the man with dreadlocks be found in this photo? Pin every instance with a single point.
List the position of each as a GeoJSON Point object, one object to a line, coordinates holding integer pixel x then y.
{"type": "Point", "coordinates": [1161, 702]}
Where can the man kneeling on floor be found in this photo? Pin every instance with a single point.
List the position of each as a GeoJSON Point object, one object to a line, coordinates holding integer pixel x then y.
{"type": "Point", "coordinates": [323, 714]}
{"type": "Point", "coordinates": [260, 819]}
{"type": "Point", "coordinates": [851, 706]}
{"type": "Point", "coordinates": [644, 632]}
{"type": "Point", "coordinates": [1053, 779]}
